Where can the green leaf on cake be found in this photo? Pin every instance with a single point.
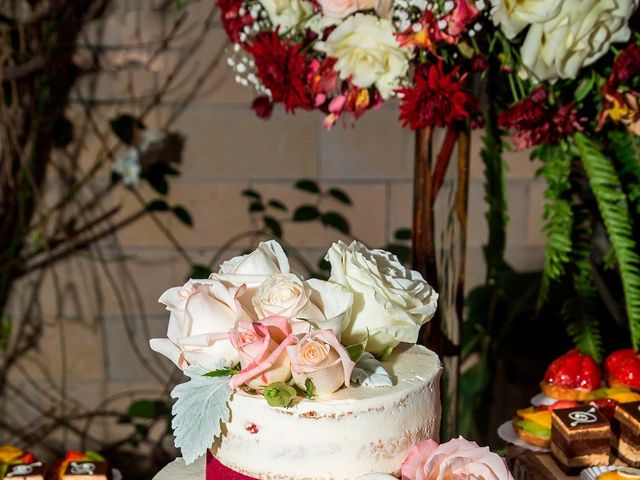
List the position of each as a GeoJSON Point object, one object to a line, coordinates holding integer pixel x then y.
{"type": "Point", "coordinates": [199, 411]}
{"type": "Point", "coordinates": [94, 456]}
{"type": "Point", "coordinates": [370, 372]}
{"type": "Point", "coordinates": [310, 388]}
{"type": "Point", "coordinates": [356, 350]}
{"type": "Point", "coordinates": [279, 394]}
{"type": "Point", "coordinates": [223, 372]}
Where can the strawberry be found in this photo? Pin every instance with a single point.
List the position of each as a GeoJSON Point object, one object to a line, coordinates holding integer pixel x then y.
{"type": "Point", "coordinates": [614, 360]}
{"type": "Point", "coordinates": [574, 370]}
{"type": "Point", "coordinates": [628, 372]}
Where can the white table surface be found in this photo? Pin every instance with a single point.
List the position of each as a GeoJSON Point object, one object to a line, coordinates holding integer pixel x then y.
{"type": "Point", "coordinates": [177, 470]}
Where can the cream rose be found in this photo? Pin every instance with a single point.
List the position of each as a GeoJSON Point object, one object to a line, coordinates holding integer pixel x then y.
{"type": "Point", "coordinates": [368, 53]}
{"type": "Point", "coordinates": [286, 14]}
{"type": "Point", "coordinates": [319, 357]}
{"type": "Point", "coordinates": [513, 16]}
{"type": "Point", "coordinates": [263, 357]}
{"type": "Point", "coordinates": [458, 459]}
{"type": "Point", "coordinates": [580, 34]}
{"type": "Point", "coordinates": [202, 313]}
{"type": "Point", "coordinates": [390, 302]}
{"type": "Point", "coordinates": [252, 270]}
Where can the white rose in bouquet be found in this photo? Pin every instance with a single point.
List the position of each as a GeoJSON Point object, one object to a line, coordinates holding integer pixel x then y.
{"type": "Point", "coordinates": [513, 16]}
{"type": "Point", "coordinates": [286, 14]}
{"type": "Point", "coordinates": [368, 53]}
{"type": "Point", "coordinates": [390, 302]}
{"type": "Point", "coordinates": [202, 314]}
{"type": "Point", "coordinates": [577, 36]}
{"type": "Point", "coordinates": [313, 302]}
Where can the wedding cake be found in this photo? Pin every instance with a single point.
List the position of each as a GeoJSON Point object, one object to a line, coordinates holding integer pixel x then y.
{"type": "Point", "coordinates": [302, 379]}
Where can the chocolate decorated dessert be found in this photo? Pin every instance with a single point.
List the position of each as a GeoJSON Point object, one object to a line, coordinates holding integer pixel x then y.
{"type": "Point", "coordinates": [27, 471]}
{"type": "Point", "coordinates": [580, 437]}
{"type": "Point", "coordinates": [86, 469]}
{"type": "Point", "coordinates": [627, 440]}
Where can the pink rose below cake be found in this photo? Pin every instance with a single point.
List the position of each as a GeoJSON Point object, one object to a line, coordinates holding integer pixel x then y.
{"type": "Point", "coordinates": [303, 379]}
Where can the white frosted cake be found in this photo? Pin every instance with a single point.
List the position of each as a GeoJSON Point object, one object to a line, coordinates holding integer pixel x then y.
{"type": "Point", "coordinates": [354, 431]}
{"type": "Point", "coordinates": [293, 379]}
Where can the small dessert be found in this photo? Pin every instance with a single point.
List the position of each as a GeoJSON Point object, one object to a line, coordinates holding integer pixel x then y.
{"type": "Point", "coordinates": [619, 394]}
{"type": "Point", "coordinates": [94, 469]}
{"type": "Point", "coordinates": [533, 424]}
{"type": "Point", "coordinates": [623, 369]}
{"type": "Point", "coordinates": [25, 471]}
{"type": "Point", "coordinates": [580, 437]}
{"type": "Point", "coordinates": [627, 440]}
{"type": "Point", "coordinates": [573, 376]}
{"type": "Point", "coordinates": [621, 474]}
{"type": "Point", "coordinates": [18, 465]}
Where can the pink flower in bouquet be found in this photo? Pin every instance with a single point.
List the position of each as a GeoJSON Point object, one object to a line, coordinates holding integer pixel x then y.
{"type": "Point", "coordinates": [620, 108]}
{"type": "Point", "coordinates": [427, 36]}
{"type": "Point", "coordinates": [282, 69]}
{"type": "Point", "coordinates": [462, 16]}
{"type": "Point", "coordinates": [436, 99]}
{"type": "Point", "coordinates": [344, 8]}
{"type": "Point", "coordinates": [318, 356]}
{"type": "Point", "coordinates": [263, 357]}
{"type": "Point", "coordinates": [458, 459]}
{"type": "Point", "coordinates": [355, 101]}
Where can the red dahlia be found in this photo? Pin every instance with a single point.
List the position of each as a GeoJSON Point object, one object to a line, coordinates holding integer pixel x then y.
{"type": "Point", "coordinates": [436, 99]}
{"type": "Point", "coordinates": [232, 21]}
{"type": "Point", "coordinates": [627, 66]}
{"type": "Point", "coordinates": [532, 122]}
{"type": "Point", "coordinates": [282, 69]}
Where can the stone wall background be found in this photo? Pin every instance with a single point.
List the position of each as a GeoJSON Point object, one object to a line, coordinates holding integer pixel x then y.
{"type": "Point", "coordinates": [227, 149]}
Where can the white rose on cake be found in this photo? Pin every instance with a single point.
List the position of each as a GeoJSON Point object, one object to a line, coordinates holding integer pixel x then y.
{"type": "Point", "coordinates": [368, 53]}
{"type": "Point", "coordinates": [390, 302]}
{"type": "Point", "coordinates": [305, 304]}
{"type": "Point", "coordinates": [580, 34]}
{"type": "Point", "coordinates": [202, 314]}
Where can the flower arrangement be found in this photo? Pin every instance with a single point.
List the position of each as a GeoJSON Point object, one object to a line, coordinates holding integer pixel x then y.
{"type": "Point", "coordinates": [255, 325]}
{"type": "Point", "coordinates": [562, 77]}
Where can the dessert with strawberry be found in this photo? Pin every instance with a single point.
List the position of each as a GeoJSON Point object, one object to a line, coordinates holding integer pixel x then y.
{"type": "Point", "coordinates": [571, 377]}
{"type": "Point", "coordinates": [623, 369]}
{"type": "Point", "coordinates": [533, 424]}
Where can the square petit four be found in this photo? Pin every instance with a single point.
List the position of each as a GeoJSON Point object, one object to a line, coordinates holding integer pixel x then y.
{"type": "Point", "coordinates": [27, 471]}
{"type": "Point", "coordinates": [580, 437]}
{"type": "Point", "coordinates": [628, 441]}
{"type": "Point", "coordinates": [95, 470]}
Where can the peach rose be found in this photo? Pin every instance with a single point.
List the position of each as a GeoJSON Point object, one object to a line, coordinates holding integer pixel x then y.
{"type": "Point", "coordinates": [458, 459]}
{"type": "Point", "coordinates": [344, 8]}
{"type": "Point", "coordinates": [318, 356]}
{"type": "Point", "coordinates": [263, 357]}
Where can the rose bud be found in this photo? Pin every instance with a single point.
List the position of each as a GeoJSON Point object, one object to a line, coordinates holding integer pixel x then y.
{"type": "Point", "coordinates": [320, 358]}
{"type": "Point", "coordinates": [263, 106]}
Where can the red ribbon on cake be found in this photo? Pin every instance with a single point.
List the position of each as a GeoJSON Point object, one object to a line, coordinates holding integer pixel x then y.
{"type": "Point", "coordinates": [217, 471]}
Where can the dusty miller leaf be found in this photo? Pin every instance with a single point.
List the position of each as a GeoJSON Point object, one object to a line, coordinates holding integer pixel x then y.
{"type": "Point", "coordinates": [200, 409]}
{"type": "Point", "coordinates": [370, 372]}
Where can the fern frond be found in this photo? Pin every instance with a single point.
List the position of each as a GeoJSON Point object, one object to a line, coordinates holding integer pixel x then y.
{"type": "Point", "coordinates": [558, 215]}
{"type": "Point", "coordinates": [583, 328]}
{"type": "Point", "coordinates": [612, 203]}
{"type": "Point", "coordinates": [626, 150]}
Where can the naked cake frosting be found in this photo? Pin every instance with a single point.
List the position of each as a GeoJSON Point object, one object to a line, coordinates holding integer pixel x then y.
{"type": "Point", "coordinates": [294, 379]}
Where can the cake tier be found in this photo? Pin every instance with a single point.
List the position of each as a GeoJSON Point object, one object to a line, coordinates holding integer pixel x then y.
{"type": "Point", "coordinates": [352, 432]}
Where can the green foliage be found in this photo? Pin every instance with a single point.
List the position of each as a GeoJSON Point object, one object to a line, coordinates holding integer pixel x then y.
{"type": "Point", "coordinates": [62, 132]}
{"type": "Point", "coordinates": [558, 212]}
{"type": "Point", "coordinates": [625, 149]}
{"type": "Point", "coordinates": [310, 388]}
{"type": "Point", "coordinates": [183, 215]}
{"type": "Point", "coordinates": [199, 271]}
{"type": "Point", "coordinates": [272, 225]}
{"type": "Point", "coordinates": [124, 126]}
{"type": "Point", "coordinates": [307, 186]}
{"type": "Point", "coordinates": [223, 372]}
{"type": "Point", "coordinates": [614, 209]}
{"type": "Point", "coordinates": [6, 326]}
{"type": "Point", "coordinates": [279, 394]}
{"type": "Point", "coordinates": [337, 221]}
{"type": "Point", "coordinates": [340, 195]}
{"type": "Point", "coordinates": [157, 205]}
{"type": "Point", "coordinates": [305, 213]}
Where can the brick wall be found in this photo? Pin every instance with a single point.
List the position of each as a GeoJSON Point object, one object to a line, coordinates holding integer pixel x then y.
{"type": "Point", "coordinates": [228, 148]}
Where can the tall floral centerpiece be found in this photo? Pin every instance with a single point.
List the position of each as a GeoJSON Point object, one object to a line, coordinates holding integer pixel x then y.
{"type": "Point", "coordinates": [561, 77]}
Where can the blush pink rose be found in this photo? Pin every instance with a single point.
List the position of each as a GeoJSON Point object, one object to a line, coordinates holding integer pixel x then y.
{"type": "Point", "coordinates": [458, 459]}
{"type": "Point", "coordinates": [462, 16]}
{"type": "Point", "coordinates": [262, 350]}
{"type": "Point", "coordinates": [318, 356]}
